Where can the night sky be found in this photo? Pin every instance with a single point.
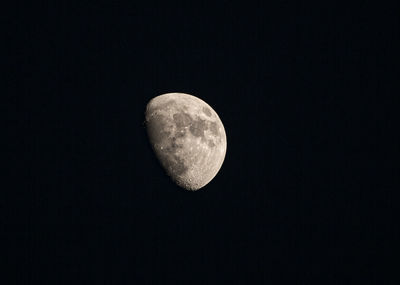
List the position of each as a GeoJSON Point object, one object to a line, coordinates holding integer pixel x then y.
{"type": "Point", "coordinates": [306, 194]}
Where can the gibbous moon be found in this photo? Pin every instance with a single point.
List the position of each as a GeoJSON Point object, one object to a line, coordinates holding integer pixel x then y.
{"type": "Point", "coordinates": [187, 137]}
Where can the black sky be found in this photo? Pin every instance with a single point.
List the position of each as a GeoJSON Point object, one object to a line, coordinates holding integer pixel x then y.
{"type": "Point", "coordinates": [307, 94]}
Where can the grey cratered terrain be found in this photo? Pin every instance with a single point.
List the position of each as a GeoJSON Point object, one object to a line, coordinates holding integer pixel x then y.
{"type": "Point", "coordinates": [187, 137]}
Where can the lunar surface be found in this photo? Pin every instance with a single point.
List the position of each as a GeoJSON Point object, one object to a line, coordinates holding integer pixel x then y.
{"type": "Point", "coordinates": [187, 137]}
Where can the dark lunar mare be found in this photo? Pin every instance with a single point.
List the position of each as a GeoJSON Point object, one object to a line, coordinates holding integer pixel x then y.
{"type": "Point", "coordinates": [207, 111]}
{"type": "Point", "coordinates": [182, 120]}
{"type": "Point", "coordinates": [197, 127]}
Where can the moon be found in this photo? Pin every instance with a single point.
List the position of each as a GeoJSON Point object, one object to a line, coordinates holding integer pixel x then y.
{"type": "Point", "coordinates": [187, 137]}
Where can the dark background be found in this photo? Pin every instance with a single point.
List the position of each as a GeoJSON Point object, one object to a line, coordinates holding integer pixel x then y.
{"type": "Point", "coordinates": [307, 94]}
